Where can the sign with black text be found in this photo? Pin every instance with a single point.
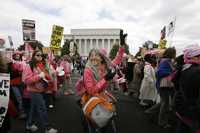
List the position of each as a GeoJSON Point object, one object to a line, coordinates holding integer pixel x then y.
{"type": "Point", "coordinates": [4, 95]}
{"type": "Point", "coordinates": [28, 28]}
{"type": "Point", "coordinates": [56, 37]}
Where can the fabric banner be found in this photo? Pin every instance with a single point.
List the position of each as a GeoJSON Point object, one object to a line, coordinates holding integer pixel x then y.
{"type": "Point", "coordinates": [4, 95]}
{"type": "Point", "coordinates": [56, 37]}
{"type": "Point", "coordinates": [28, 28]}
{"type": "Point", "coordinates": [171, 27]}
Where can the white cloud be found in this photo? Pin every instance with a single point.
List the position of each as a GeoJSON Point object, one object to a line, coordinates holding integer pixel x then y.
{"type": "Point", "coordinates": [142, 19]}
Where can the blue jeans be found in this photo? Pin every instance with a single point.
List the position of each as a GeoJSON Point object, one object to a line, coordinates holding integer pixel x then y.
{"type": "Point", "coordinates": [18, 94]}
{"type": "Point", "coordinates": [165, 94]}
{"type": "Point", "coordinates": [38, 105]}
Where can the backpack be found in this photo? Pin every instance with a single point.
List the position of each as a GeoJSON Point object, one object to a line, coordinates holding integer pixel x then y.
{"type": "Point", "coordinates": [99, 109]}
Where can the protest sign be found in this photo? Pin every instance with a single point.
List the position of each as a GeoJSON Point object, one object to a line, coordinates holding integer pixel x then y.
{"type": "Point", "coordinates": [162, 44]}
{"type": "Point", "coordinates": [56, 52]}
{"type": "Point", "coordinates": [56, 37]}
{"type": "Point", "coordinates": [4, 95]}
{"type": "Point", "coordinates": [28, 28]}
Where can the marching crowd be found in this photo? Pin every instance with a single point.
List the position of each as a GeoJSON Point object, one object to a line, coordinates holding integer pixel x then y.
{"type": "Point", "coordinates": [33, 86]}
{"type": "Point", "coordinates": [162, 83]}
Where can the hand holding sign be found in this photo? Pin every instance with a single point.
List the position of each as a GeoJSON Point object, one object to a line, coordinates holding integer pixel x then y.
{"type": "Point", "coordinates": [4, 95]}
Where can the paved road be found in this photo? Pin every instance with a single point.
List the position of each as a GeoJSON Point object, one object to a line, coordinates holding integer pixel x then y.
{"type": "Point", "coordinates": [66, 117]}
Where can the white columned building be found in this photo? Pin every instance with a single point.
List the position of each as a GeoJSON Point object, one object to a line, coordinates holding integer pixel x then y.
{"type": "Point", "coordinates": [87, 39]}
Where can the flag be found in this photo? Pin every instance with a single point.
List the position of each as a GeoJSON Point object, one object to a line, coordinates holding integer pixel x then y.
{"type": "Point", "coordinates": [171, 27]}
{"type": "Point", "coordinates": [163, 33]}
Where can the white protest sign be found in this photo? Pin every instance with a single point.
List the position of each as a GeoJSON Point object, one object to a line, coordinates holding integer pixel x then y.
{"type": "Point", "coordinates": [4, 95]}
{"type": "Point", "coordinates": [28, 28]}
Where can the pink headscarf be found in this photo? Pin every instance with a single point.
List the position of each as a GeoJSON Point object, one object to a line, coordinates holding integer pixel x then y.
{"type": "Point", "coordinates": [190, 52]}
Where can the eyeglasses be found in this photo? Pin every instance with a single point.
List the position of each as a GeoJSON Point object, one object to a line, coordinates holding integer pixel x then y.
{"type": "Point", "coordinates": [39, 55]}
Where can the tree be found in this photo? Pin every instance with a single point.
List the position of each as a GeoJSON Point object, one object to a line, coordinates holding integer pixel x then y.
{"type": "Point", "coordinates": [65, 48]}
{"type": "Point", "coordinates": [126, 49]}
{"type": "Point", "coordinates": [113, 51]}
{"type": "Point", "coordinates": [150, 45]}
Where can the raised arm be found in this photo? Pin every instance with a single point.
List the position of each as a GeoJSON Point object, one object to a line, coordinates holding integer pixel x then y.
{"type": "Point", "coordinates": [118, 58]}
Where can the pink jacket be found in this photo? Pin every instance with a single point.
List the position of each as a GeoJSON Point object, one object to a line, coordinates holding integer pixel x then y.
{"type": "Point", "coordinates": [30, 78]}
{"type": "Point", "coordinates": [93, 86]}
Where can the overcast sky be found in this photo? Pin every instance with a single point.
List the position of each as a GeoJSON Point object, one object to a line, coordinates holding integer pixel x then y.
{"type": "Point", "coordinates": [141, 19]}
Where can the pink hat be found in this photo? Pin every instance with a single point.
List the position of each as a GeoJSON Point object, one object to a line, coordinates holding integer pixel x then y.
{"type": "Point", "coordinates": [103, 51]}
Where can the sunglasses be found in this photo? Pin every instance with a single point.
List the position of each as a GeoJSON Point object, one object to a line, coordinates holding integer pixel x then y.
{"type": "Point", "coordinates": [39, 55]}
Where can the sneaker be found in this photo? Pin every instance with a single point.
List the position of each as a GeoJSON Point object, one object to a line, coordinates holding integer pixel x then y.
{"type": "Point", "coordinates": [21, 116]}
{"type": "Point", "coordinates": [51, 106]}
{"type": "Point", "coordinates": [142, 103]}
{"type": "Point", "coordinates": [126, 93]}
{"type": "Point", "coordinates": [51, 130]}
{"type": "Point", "coordinates": [32, 128]}
{"type": "Point", "coordinates": [165, 126]}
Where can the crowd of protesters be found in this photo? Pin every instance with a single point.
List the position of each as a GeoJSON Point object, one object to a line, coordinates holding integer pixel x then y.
{"type": "Point", "coordinates": [166, 85]}
{"type": "Point", "coordinates": [33, 87]}
{"type": "Point", "coordinates": [162, 83]}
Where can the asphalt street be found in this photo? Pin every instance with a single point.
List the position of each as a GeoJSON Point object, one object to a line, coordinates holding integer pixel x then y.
{"type": "Point", "coordinates": [66, 116]}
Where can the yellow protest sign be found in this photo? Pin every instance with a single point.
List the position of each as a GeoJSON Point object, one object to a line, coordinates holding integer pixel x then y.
{"type": "Point", "coordinates": [56, 52]}
{"type": "Point", "coordinates": [162, 44]}
{"type": "Point", "coordinates": [56, 37]}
